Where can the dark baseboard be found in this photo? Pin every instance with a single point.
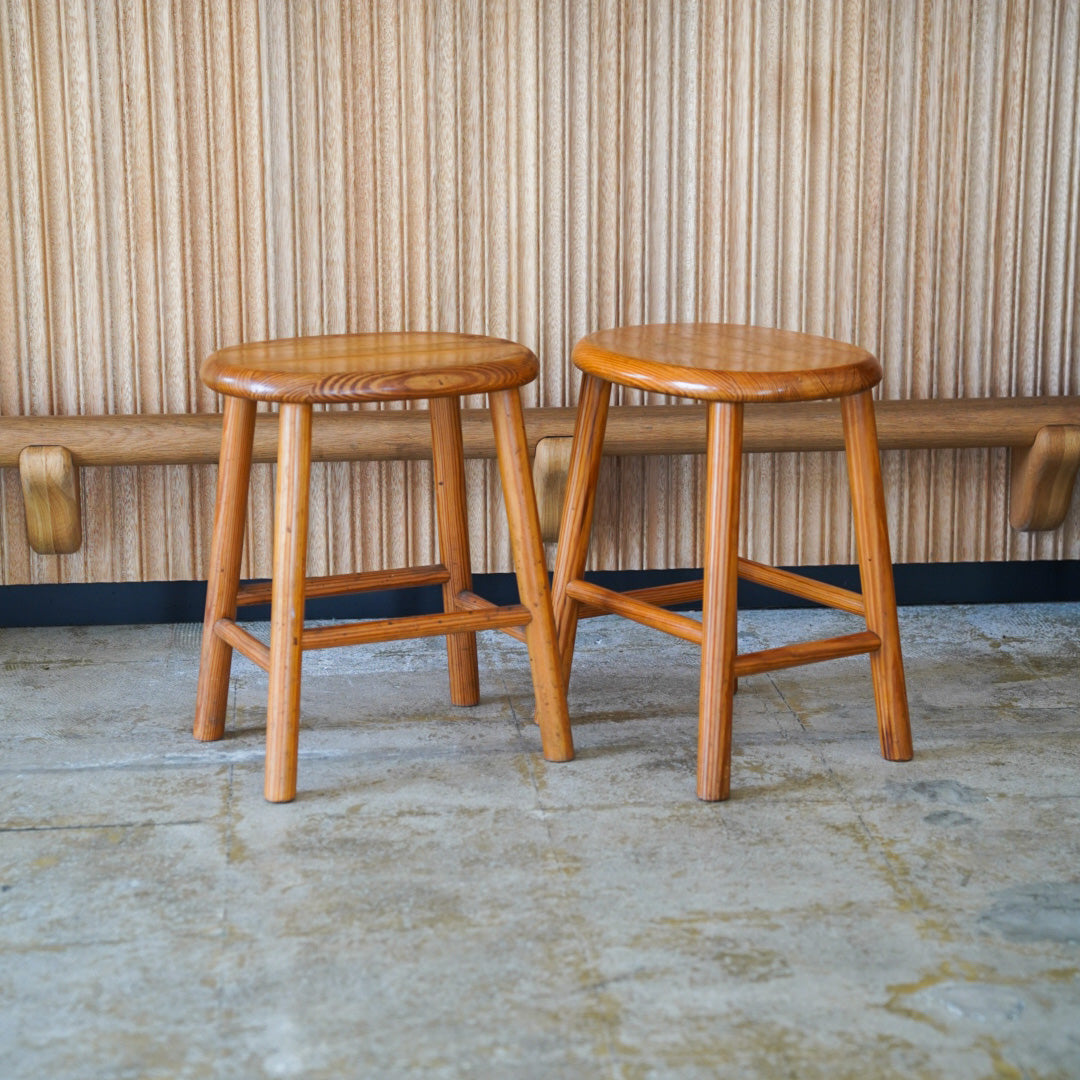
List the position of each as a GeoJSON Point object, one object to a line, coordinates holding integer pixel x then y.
{"type": "Point", "coordinates": [182, 601]}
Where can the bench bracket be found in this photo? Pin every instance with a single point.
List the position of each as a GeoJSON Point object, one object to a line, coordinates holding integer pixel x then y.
{"type": "Point", "coordinates": [50, 485]}
{"type": "Point", "coordinates": [1042, 478]}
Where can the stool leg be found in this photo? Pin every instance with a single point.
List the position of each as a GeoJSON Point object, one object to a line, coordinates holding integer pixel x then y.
{"type": "Point", "coordinates": [576, 525]}
{"type": "Point", "coordinates": [287, 601]}
{"type": "Point", "coordinates": [875, 569]}
{"type": "Point", "coordinates": [448, 457]}
{"type": "Point", "coordinates": [227, 547]}
{"type": "Point", "coordinates": [719, 608]}
{"type": "Point", "coordinates": [516, 473]}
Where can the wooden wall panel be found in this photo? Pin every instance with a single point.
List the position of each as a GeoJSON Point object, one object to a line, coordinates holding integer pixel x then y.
{"type": "Point", "coordinates": [176, 177]}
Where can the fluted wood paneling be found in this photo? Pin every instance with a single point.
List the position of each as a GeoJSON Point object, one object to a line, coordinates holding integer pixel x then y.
{"type": "Point", "coordinates": [178, 177]}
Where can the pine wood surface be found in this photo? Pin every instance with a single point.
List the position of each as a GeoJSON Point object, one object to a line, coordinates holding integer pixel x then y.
{"type": "Point", "coordinates": [597, 600]}
{"type": "Point", "coordinates": [452, 519]}
{"type": "Point", "coordinates": [541, 638]}
{"type": "Point", "coordinates": [291, 508]}
{"type": "Point", "coordinates": [719, 610]}
{"type": "Point", "coordinates": [806, 652]}
{"type": "Point", "coordinates": [710, 361]}
{"type": "Point", "coordinates": [226, 551]}
{"type": "Point", "coordinates": [244, 642]}
{"type": "Point", "coordinates": [744, 356]}
{"type": "Point", "coordinates": [579, 506]}
{"type": "Point", "coordinates": [875, 571]}
{"type": "Point", "coordinates": [299, 372]}
{"type": "Point", "coordinates": [350, 368]}
{"type": "Point", "coordinates": [470, 601]}
{"type": "Point", "coordinates": [405, 577]}
{"type": "Point", "coordinates": [401, 628]}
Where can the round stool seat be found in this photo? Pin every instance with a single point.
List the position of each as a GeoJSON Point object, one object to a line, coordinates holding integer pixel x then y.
{"type": "Point", "coordinates": [718, 362]}
{"type": "Point", "coordinates": [369, 367]}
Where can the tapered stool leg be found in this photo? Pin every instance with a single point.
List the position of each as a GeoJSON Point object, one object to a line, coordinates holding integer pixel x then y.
{"type": "Point", "coordinates": [448, 457]}
{"type": "Point", "coordinates": [287, 603]}
{"type": "Point", "coordinates": [227, 546]}
{"type": "Point", "coordinates": [516, 473]}
{"type": "Point", "coordinates": [576, 524]}
{"type": "Point", "coordinates": [719, 604]}
{"type": "Point", "coordinates": [875, 568]}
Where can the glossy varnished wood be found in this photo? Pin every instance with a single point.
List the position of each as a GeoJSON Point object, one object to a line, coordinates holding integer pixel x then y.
{"type": "Point", "coordinates": [596, 600]}
{"type": "Point", "coordinates": [806, 652]}
{"type": "Point", "coordinates": [404, 577]}
{"type": "Point", "coordinates": [685, 592]}
{"type": "Point", "coordinates": [404, 627]}
{"type": "Point", "coordinates": [358, 368]}
{"type": "Point", "coordinates": [875, 570]}
{"type": "Point", "coordinates": [369, 367]}
{"type": "Point", "coordinates": [720, 362]}
{"type": "Point", "coordinates": [578, 506]}
{"type": "Point", "coordinates": [470, 601]}
{"type": "Point", "coordinates": [641, 605]}
{"type": "Point", "coordinates": [244, 642]}
{"type": "Point", "coordinates": [226, 551]}
{"type": "Point", "coordinates": [287, 602]}
{"type": "Point", "coordinates": [819, 592]}
{"type": "Point", "coordinates": [452, 519]}
{"type": "Point", "coordinates": [723, 476]}
{"type": "Point", "coordinates": [541, 638]}
{"type": "Point", "coordinates": [727, 366]}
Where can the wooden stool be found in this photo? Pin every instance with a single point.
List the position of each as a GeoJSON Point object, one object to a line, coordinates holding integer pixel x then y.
{"type": "Point", "coordinates": [299, 373]}
{"type": "Point", "coordinates": [727, 366]}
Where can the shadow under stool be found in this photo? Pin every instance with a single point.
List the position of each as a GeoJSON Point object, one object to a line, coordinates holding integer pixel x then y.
{"type": "Point", "coordinates": [298, 374]}
{"type": "Point", "coordinates": [726, 367]}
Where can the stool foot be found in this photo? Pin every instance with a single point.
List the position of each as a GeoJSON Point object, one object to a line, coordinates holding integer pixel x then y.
{"type": "Point", "coordinates": [719, 614]}
{"type": "Point", "coordinates": [448, 459]}
{"type": "Point", "coordinates": [540, 637]}
{"type": "Point", "coordinates": [287, 603]}
{"type": "Point", "coordinates": [875, 568]}
{"type": "Point", "coordinates": [227, 546]}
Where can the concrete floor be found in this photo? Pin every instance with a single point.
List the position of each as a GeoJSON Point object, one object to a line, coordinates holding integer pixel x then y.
{"type": "Point", "coordinates": [440, 902]}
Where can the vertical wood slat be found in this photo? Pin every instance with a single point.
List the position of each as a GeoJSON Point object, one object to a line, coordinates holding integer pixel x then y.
{"type": "Point", "coordinates": [179, 177]}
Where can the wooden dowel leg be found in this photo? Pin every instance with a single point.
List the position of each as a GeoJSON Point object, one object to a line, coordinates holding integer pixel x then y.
{"type": "Point", "coordinates": [875, 568]}
{"type": "Point", "coordinates": [577, 515]}
{"type": "Point", "coordinates": [719, 613]}
{"type": "Point", "coordinates": [540, 637]}
{"type": "Point", "coordinates": [287, 603]}
{"type": "Point", "coordinates": [448, 458]}
{"type": "Point", "coordinates": [226, 549]}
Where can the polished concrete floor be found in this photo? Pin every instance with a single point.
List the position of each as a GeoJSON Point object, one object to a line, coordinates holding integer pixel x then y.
{"type": "Point", "coordinates": [440, 902]}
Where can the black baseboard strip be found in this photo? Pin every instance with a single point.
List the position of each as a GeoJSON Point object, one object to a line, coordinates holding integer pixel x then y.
{"type": "Point", "coordinates": [182, 601]}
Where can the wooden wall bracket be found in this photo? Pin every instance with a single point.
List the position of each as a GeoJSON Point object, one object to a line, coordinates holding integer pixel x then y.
{"type": "Point", "coordinates": [551, 468]}
{"type": "Point", "coordinates": [50, 485]}
{"type": "Point", "coordinates": [1043, 475]}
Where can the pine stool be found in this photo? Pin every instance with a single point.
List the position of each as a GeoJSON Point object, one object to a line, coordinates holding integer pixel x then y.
{"type": "Point", "coordinates": [727, 366]}
{"type": "Point", "coordinates": [298, 374]}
